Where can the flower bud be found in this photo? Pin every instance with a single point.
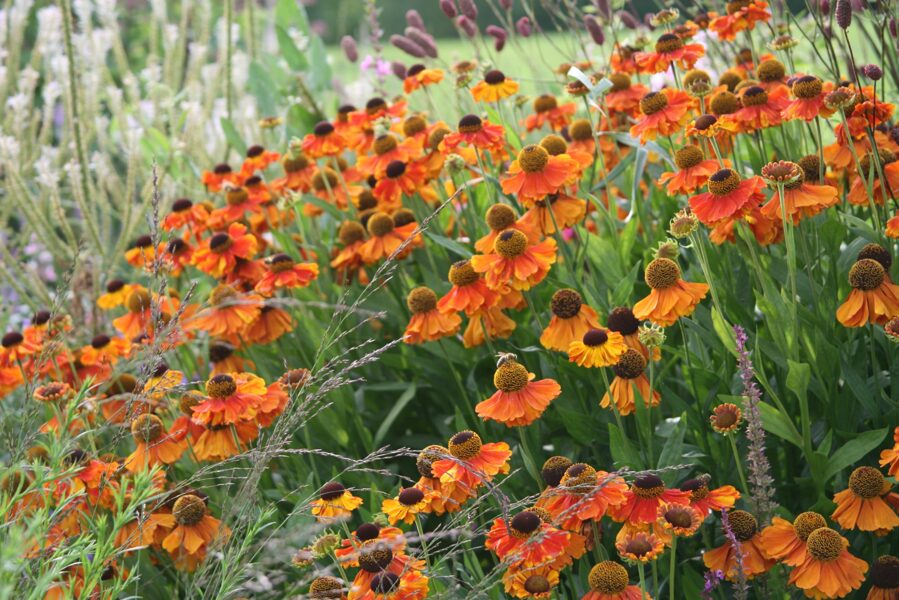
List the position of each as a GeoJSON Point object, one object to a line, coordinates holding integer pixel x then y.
{"type": "Point", "coordinates": [843, 13]}
{"type": "Point", "coordinates": [449, 8]}
{"type": "Point", "coordinates": [506, 4]}
{"type": "Point", "coordinates": [467, 26]}
{"type": "Point", "coordinates": [824, 7]}
{"type": "Point", "coordinates": [407, 46]}
{"type": "Point", "coordinates": [349, 48]}
{"type": "Point", "coordinates": [398, 69]}
{"type": "Point", "coordinates": [627, 19]}
{"type": "Point", "coordinates": [603, 8]}
{"type": "Point", "coordinates": [424, 40]}
{"type": "Point", "coordinates": [469, 9]}
{"type": "Point", "coordinates": [413, 18]}
{"type": "Point", "coordinates": [523, 27]}
{"type": "Point", "coordinates": [594, 29]}
{"type": "Point", "coordinates": [894, 27]}
{"type": "Point", "coordinates": [873, 72]}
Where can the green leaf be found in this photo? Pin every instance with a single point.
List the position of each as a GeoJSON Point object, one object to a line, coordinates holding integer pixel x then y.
{"type": "Point", "coordinates": [673, 450]}
{"type": "Point", "coordinates": [854, 450]}
{"type": "Point", "coordinates": [725, 333]}
{"type": "Point", "coordinates": [451, 245]}
{"type": "Point", "coordinates": [779, 424]}
{"type": "Point", "coordinates": [295, 59]}
{"type": "Point", "coordinates": [325, 206]}
{"type": "Point", "coordinates": [395, 411]}
{"type": "Point", "coordinates": [234, 139]}
{"type": "Point", "coordinates": [798, 375]}
{"type": "Point", "coordinates": [623, 452]}
{"type": "Point", "coordinates": [299, 121]}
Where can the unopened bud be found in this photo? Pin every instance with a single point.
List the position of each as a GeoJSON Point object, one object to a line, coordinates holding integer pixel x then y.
{"type": "Point", "coordinates": [843, 13]}
{"type": "Point", "coordinates": [449, 8]}
{"type": "Point", "coordinates": [407, 46]}
{"type": "Point", "coordinates": [469, 9]}
{"type": "Point", "coordinates": [413, 18]}
{"type": "Point", "coordinates": [467, 26]}
{"type": "Point", "coordinates": [349, 48]}
{"type": "Point", "coordinates": [628, 20]}
{"type": "Point", "coordinates": [523, 27]}
{"type": "Point", "coordinates": [594, 29]}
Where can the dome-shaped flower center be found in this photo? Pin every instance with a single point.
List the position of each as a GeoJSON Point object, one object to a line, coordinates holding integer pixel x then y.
{"type": "Point", "coordinates": [580, 130]}
{"type": "Point", "coordinates": [375, 105]}
{"type": "Point", "coordinates": [885, 573]}
{"type": "Point", "coordinates": [511, 243]}
{"type": "Point", "coordinates": [380, 224]}
{"type": "Point", "coordinates": [326, 588]}
{"type": "Point", "coordinates": [579, 475]}
{"type": "Point", "coordinates": [461, 273]}
{"type": "Point", "coordinates": [147, 428]}
{"type": "Point", "coordinates": [698, 488]}
{"type": "Point", "coordinates": [724, 103]}
{"type": "Point", "coordinates": [533, 159]}
{"type": "Point", "coordinates": [351, 232]}
{"type": "Point", "coordinates": [554, 144]}
{"type": "Point", "coordinates": [331, 491]}
{"type": "Point", "coordinates": [755, 96]}
{"type": "Point", "coordinates": [566, 303]}
{"type": "Point", "coordinates": [661, 273]}
{"type": "Point", "coordinates": [554, 469]}
{"type": "Point", "coordinates": [688, 157]}
{"type": "Point", "coordinates": [421, 300]}
{"type": "Point", "coordinates": [743, 524]}
{"type": "Point", "coordinates": [595, 337]}
{"type": "Point", "coordinates": [385, 583]}
{"type": "Point", "coordinates": [427, 457]}
{"type": "Point", "coordinates": [410, 496]}
{"type": "Point", "coordinates": [510, 377]}
{"type": "Point", "coordinates": [878, 253]}
{"type": "Point", "coordinates": [807, 87]}
{"type": "Point", "coordinates": [866, 274]}
{"type": "Point", "coordinates": [189, 510]}
{"type": "Point", "coordinates": [668, 42]}
{"type": "Point", "coordinates": [13, 339]}
{"type": "Point", "coordinates": [704, 122]}
{"type": "Point", "coordinates": [220, 242]}
{"type": "Point", "coordinates": [723, 182]}
{"type": "Point", "coordinates": [470, 124]}
{"type": "Point", "coordinates": [280, 263]}
{"type": "Point", "coordinates": [375, 556]}
{"type": "Point", "coordinates": [436, 137]}
{"type": "Point", "coordinates": [525, 523]}
{"type": "Point", "coordinates": [494, 77]}
{"type": "Point", "coordinates": [465, 445]}
{"type": "Point", "coordinates": [181, 205]}
{"type": "Point", "coordinates": [545, 103]}
{"type": "Point", "coordinates": [395, 169]}
{"type": "Point", "coordinates": [648, 486]}
{"type": "Point", "coordinates": [608, 577]}
{"type": "Point", "coordinates": [866, 482]}
{"type": "Point", "coordinates": [806, 523]}
{"type": "Point", "coordinates": [500, 217]}
{"type": "Point", "coordinates": [222, 294]}
{"type": "Point", "coordinates": [653, 102]}
{"type": "Point", "coordinates": [221, 386]}
{"type": "Point", "coordinates": [630, 365]}
{"type": "Point", "coordinates": [771, 70]}
{"type": "Point", "coordinates": [236, 196]}
{"type": "Point", "coordinates": [295, 164]}
{"type": "Point", "coordinates": [413, 125]}
{"type": "Point", "coordinates": [367, 531]}
{"type": "Point", "coordinates": [537, 584]}
{"type": "Point", "coordinates": [325, 180]}
{"type": "Point", "coordinates": [696, 76]}
{"type": "Point", "coordinates": [620, 82]}
{"type": "Point", "coordinates": [825, 544]}
{"type": "Point", "coordinates": [323, 128]}
{"type": "Point", "coordinates": [623, 321]}
{"type": "Point", "coordinates": [138, 301]}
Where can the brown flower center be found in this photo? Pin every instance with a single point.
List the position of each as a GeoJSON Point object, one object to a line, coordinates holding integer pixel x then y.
{"type": "Point", "coordinates": [668, 42]}
{"type": "Point", "coordinates": [413, 125]}
{"type": "Point", "coordinates": [545, 103]}
{"type": "Point", "coordinates": [221, 386]}
{"type": "Point", "coordinates": [375, 556]}
{"type": "Point", "coordinates": [724, 103]}
{"type": "Point", "coordinates": [147, 428]}
{"type": "Point", "coordinates": [661, 273]}
{"type": "Point", "coordinates": [648, 487]}
{"type": "Point", "coordinates": [580, 130]}
{"type": "Point", "coordinates": [537, 584]}
{"type": "Point", "coordinates": [510, 377]}
{"type": "Point", "coordinates": [500, 217]}
{"type": "Point", "coordinates": [554, 144]}
{"type": "Point", "coordinates": [885, 573]}
{"type": "Point", "coordinates": [755, 96]}
{"type": "Point", "coordinates": [630, 365]}
{"type": "Point", "coordinates": [620, 82]}
{"type": "Point", "coordinates": [465, 445]}
{"type": "Point", "coordinates": [688, 157]}
{"type": "Point", "coordinates": [866, 274]}
{"type": "Point", "coordinates": [807, 87]}
{"type": "Point", "coordinates": [866, 482]}
{"type": "Point", "coordinates": [410, 496]}
{"type": "Point", "coordinates": [421, 300]}
{"type": "Point", "coordinates": [351, 232]}
{"type": "Point", "coordinates": [579, 475]}
{"type": "Point", "coordinates": [825, 544]}
{"type": "Point", "coordinates": [380, 224]}
{"type": "Point", "coordinates": [723, 182]}
{"type": "Point", "coordinates": [771, 70]}
{"type": "Point", "coordinates": [533, 158]}
{"type": "Point", "coordinates": [608, 577]}
{"type": "Point", "coordinates": [554, 469]}
{"type": "Point", "coordinates": [806, 523]}
{"type": "Point", "coordinates": [743, 524]}
{"type": "Point", "coordinates": [427, 457]}
{"type": "Point", "coordinates": [189, 510]}
{"type": "Point", "coordinates": [511, 243]}
{"type": "Point", "coordinates": [566, 303]}
{"type": "Point", "coordinates": [595, 337]}
{"type": "Point", "coordinates": [653, 102]}
{"type": "Point", "coordinates": [525, 523]}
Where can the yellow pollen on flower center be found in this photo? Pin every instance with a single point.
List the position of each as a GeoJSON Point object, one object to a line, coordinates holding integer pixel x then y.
{"type": "Point", "coordinates": [380, 224]}
{"type": "Point", "coordinates": [533, 158]}
{"type": "Point", "coordinates": [554, 144]}
{"type": "Point", "coordinates": [579, 475]}
{"type": "Point", "coordinates": [866, 274]}
{"type": "Point", "coordinates": [427, 457]}
{"type": "Point", "coordinates": [661, 273]}
{"type": "Point", "coordinates": [221, 386]}
{"type": "Point", "coordinates": [580, 130]}
{"type": "Point", "coordinates": [545, 103]}
{"type": "Point", "coordinates": [222, 294]}
{"type": "Point", "coordinates": [511, 243]}
{"type": "Point", "coordinates": [510, 377]}
{"type": "Point", "coordinates": [500, 217]}
{"type": "Point", "coordinates": [138, 301]}
{"type": "Point", "coordinates": [723, 182]}
{"type": "Point", "coordinates": [189, 510]}
{"type": "Point", "coordinates": [236, 196]}
{"type": "Point", "coordinates": [771, 70]}
{"type": "Point", "coordinates": [724, 103]}
{"type": "Point", "coordinates": [461, 273]}
{"type": "Point", "coordinates": [566, 303]}
{"type": "Point", "coordinates": [384, 144]}
{"type": "Point", "coordinates": [554, 469]}
{"type": "Point", "coordinates": [147, 428]}
{"type": "Point", "coordinates": [807, 87]}
{"type": "Point", "coordinates": [620, 82]}
{"type": "Point", "coordinates": [351, 232]}
{"type": "Point", "coordinates": [755, 96]}
{"type": "Point", "coordinates": [668, 42]}
{"type": "Point", "coordinates": [630, 365]}
{"type": "Point", "coordinates": [743, 524]}
{"type": "Point", "coordinates": [421, 300]}
{"type": "Point", "coordinates": [688, 157]}
{"type": "Point", "coordinates": [806, 523]}
{"type": "Point", "coordinates": [866, 482]}
{"type": "Point", "coordinates": [653, 102]}
{"type": "Point", "coordinates": [825, 544]}
{"type": "Point", "coordinates": [608, 578]}
{"type": "Point", "coordinates": [465, 445]}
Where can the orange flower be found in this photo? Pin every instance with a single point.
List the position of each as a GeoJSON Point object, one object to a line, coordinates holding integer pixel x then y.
{"type": "Point", "coordinates": [219, 253]}
{"type": "Point", "coordinates": [745, 528]}
{"type": "Point", "coordinates": [664, 113]}
{"type": "Point", "coordinates": [669, 49]}
{"type": "Point", "coordinates": [117, 292]}
{"type": "Point", "coordinates": [469, 293]}
{"type": "Point", "coordinates": [622, 60]}
{"type": "Point", "coordinates": [153, 445]}
{"type": "Point", "coordinates": [728, 197]}
{"type": "Point", "coordinates": [228, 314]}
{"type": "Point", "coordinates": [401, 179]}
{"type": "Point", "coordinates": [861, 506]}
{"type": "Point", "coordinates": [526, 581]}
{"type": "Point", "coordinates": [386, 238]}
{"type": "Point", "coordinates": [219, 442]}
{"type": "Point", "coordinates": [515, 262]}
{"type": "Point", "coordinates": [473, 462]}
{"type": "Point", "coordinates": [230, 398]}
{"type": "Point", "coordinates": [238, 202]}
{"type": "Point", "coordinates": [348, 552]}
{"type": "Point", "coordinates": [597, 348]}
{"type": "Point", "coordinates": [670, 297]}
{"type": "Point", "coordinates": [387, 149]}
{"type": "Point", "coordinates": [623, 97]}
{"type": "Point", "coordinates": [873, 299]}
{"type": "Point", "coordinates": [801, 199]}
{"type": "Point", "coordinates": [346, 261]}
{"type": "Point", "coordinates": [500, 217]}
{"type": "Point", "coordinates": [892, 228]}
{"type": "Point", "coordinates": [741, 15]}
{"type": "Point", "coordinates": [681, 520]}
{"type": "Point", "coordinates": [334, 502]}
{"type": "Point", "coordinates": [583, 494]}
{"type": "Point", "coordinates": [139, 320]}
{"type": "Point", "coordinates": [518, 399]}
{"type": "Point", "coordinates": [629, 381]}
{"type": "Point", "coordinates": [554, 212]}
{"type": "Point", "coordinates": [706, 500]}
{"type": "Point", "coordinates": [535, 173]}
{"type": "Point", "coordinates": [693, 171]}
{"type": "Point", "coordinates": [283, 272]}
{"type": "Point", "coordinates": [472, 131]}
{"type": "Point", "coordinates": [526, 538]}
{"type": "Point", "coordinates": [272, 323]}
{"type": "Point", "coordinates": [884, 578]}
{"type": "Point", "coordinates": [858, 192]}
{"type": "Point", "coordinates": [446, 496]}
{"type": "Point", "coordinates": [185, 214]}
{"type": "Point", "coordinates": [494, 87]}
{"type": "Point", "coordinates": [643, 498]}
{"type": "Point", "coordinates": [622, 320]}
{"type": "Point", "coordinates": [547, 110]}
{"type": "Point", "coordinates": [193, 532]}
{"type": "Point", "coordinates": [221, 174]}
{"type": "Point", "coordinates": [829, 570]}
{"type": "Point", "coordinates": [761, 109]}
{"type": "Point", "coordinates": [427, 322]}
{"type": "Point", "coordinates": [890, 458]}
{"type": "Point", "coordinates": [786, 542]}
{"type": "Point", "coordinates": [407, 504]}
{"type": "Point", "coordinates": [609, 580]}
{"type": "Point", "coordinates": [570, 321]}
{"type": "Point", "coordinates": [298, 172]}
{"type": "Point", "coordinates": [491, 322]}
{"type": "Point", "coordinates": [323, 141]}
{"type": "Point", "coordinates": [639, 546]}
{"type": "Point", "coordinates": [418, 76]}
{"type": "Point", "coordinates": [141, 253]}
{"type": "Point", "coordinates": [387, 574]}
{"type": "Point", "coordinates": [808, 103]}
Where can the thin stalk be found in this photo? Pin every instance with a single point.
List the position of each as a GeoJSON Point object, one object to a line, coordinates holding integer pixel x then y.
{"type": "Point", "coordinates": [671, 567]}
{"type": "Point", "coordinates": [733, 446]}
